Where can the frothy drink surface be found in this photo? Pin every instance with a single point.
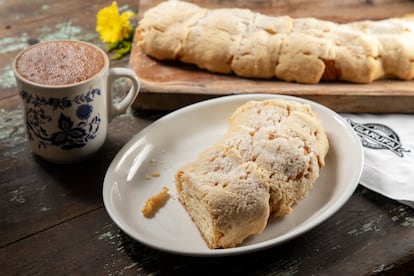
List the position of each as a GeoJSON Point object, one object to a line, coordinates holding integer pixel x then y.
{"type": "Point", "coordinates": [59, 63]}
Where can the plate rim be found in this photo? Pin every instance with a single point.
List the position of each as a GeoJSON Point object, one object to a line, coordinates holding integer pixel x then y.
{"type": "Point", "coordinates": [330, 211]}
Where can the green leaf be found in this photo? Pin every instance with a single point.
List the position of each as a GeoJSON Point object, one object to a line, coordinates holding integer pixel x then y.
{"type": "Point", "coordinates": [112, 46]}
{"type": "Point", "coordinates": [124, 47]}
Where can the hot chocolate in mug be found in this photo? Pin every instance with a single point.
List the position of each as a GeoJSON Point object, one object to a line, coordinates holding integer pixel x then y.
{"type": "Point", "coordinates": [66, 89]}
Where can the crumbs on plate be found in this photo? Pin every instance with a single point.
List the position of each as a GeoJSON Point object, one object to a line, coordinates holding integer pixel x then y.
{"type": "Point", "coordinates": [154, 203]}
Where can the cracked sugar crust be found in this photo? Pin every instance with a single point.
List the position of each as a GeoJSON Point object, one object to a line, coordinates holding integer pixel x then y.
{"type": "Point", "coordinates": [290, 167]}
{"type": "Point", "coordinates": [227, 198]}
{"type": "Point", "coordinates": [267, 161]}
{"type": "Point", "coordinates": [286, 140]}
{"type": "Point", "coordinates": [288, 118]}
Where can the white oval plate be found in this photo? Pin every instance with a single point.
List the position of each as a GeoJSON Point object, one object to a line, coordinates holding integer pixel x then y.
{"type": "Point", "coordinates": [176, 139]}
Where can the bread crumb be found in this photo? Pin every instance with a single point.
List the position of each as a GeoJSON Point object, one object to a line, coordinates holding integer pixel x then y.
{"type": "Point", "coordinates": [154, 203]}
{"type": "Point", "coordinates": [155, 174]}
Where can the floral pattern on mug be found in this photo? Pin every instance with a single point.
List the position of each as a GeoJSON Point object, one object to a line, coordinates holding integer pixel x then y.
{"type": "Point", "coordinates": [72, 132]}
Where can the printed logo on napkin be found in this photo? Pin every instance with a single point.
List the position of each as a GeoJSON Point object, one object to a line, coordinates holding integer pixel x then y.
{"type": "Point", "coordinates": [378, 136]}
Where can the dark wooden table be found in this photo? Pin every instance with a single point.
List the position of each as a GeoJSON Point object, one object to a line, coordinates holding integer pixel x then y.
{"type": "Point", "coordinates": [52, 218]}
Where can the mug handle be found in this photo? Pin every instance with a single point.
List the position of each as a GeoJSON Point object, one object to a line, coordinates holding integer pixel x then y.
{"type": "Point", "coordinates": [121, 107]}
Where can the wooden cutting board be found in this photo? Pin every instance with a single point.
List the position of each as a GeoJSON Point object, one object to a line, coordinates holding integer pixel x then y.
{"type": "Point", "coordinates": [168, 85]}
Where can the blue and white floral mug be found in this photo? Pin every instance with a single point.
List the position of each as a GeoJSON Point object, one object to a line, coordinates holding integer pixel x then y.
{"type": "Point", "coordinates": [67, 117]}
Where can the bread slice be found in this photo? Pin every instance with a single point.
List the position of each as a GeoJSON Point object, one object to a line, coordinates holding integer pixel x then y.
{"type": "Point", "coordinates": [286, 140]}
{"type": "Point", "coordinates": [267, 161]}
{"type": "Point", "coordinates": [227, 198]}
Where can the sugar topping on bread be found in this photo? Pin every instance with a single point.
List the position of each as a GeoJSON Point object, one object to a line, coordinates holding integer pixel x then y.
{"type": "Point", "coordinates": [267, 161]}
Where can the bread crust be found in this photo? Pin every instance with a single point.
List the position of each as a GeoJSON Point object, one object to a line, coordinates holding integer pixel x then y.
{"type": "Point", "coordinates": [268, 160]}
{"type": "Point", "coordinates": [253, 45]}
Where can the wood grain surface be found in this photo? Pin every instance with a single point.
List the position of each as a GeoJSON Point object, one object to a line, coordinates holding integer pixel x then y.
{"type": "Point", "coordinates": [167, 85]}
{"type": "Point", "coordinates": [53, 220]}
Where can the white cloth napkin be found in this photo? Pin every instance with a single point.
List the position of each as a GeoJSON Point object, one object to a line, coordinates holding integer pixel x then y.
{"type": "Point", "coordinates": [388, 142]}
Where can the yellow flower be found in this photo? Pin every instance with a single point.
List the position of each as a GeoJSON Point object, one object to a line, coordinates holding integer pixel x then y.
{"type": "Point", "coordinates": [112, 26]}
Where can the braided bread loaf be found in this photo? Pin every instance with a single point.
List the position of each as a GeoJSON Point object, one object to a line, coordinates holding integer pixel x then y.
{"type": "Point", "coordinates": [304, 50]}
